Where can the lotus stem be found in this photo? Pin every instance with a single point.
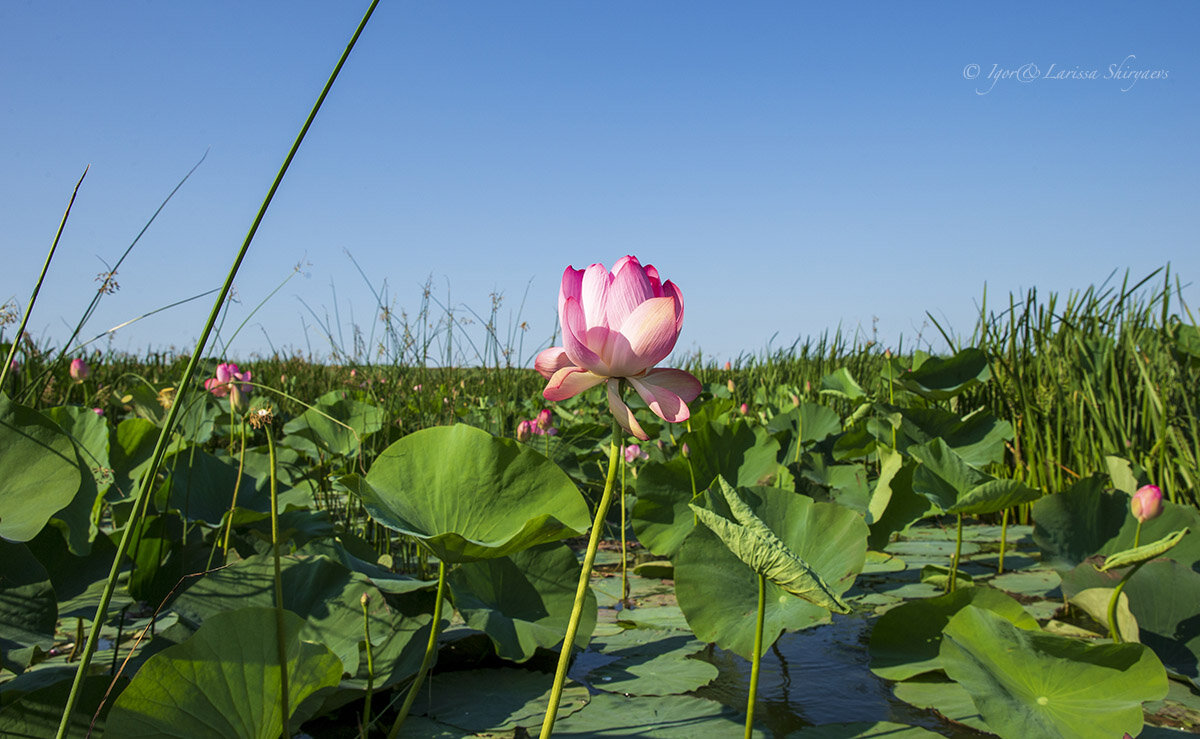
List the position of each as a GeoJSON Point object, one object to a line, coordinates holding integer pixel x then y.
{"type": "Point", "coordinates": [1003, 541]}
{"type": "Point", "coordinates": [624, 553]}
{"type": "Point", "coordinates": [427, 660]}
{"type": "Point", "coordinates": [1137, 534]}
{"type": "Point", "coordinates": [160, 446]}
{"type": "Point", "coordinates": [1113, 631]}
{"type": "Point", "coordinates": [756, 661]}
{"type": "Point", "coordinates": [280, 644]}
{"type": "Point", "coordinates": [589, 557]}
{"type": "Point", "coordinates": [954, 562]}
{"type": "Point", "coordinates": [366, 719]}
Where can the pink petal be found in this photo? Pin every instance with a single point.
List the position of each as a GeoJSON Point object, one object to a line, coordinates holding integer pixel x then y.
{"type": "Point", "coordinates": [576, 341]}
{"type": "Point", "coordinates": [649, 334]}
{"type": "Point", "coordinates": [630, 288]}
{"type": "Point", "coordinates": [572, 287]}
{"type": "Point", "coordinates": [622, 413]}
{"type": "Point", "coordinates": [569, 382]}
{"type": "Point", "coordinates": [669, 289]}
{"type": "Point", "coordinates": [659, 392]}
{"type": "Point", "coordinates": [655, 280]}
{"type": "Point", "coordinates": [676, 380]}
{"type": "Point", "coordinates": [551, 360]}
{"type": "Point", "coordinates": [594, 295]}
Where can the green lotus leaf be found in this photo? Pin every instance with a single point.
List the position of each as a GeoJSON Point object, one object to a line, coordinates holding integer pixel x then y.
{"type": "Point", "coordinates": [943, 477]}
{"type": "Point", "coordinates": [747, 456]}
{"type": "Point", "coordinates": [41, 470]}
{"type": "Point", "coordinates": [978, 438]}
{"type": "Point", "coordinates": [1144, 553]}
{"type": "Point", "coordinates": [994, 496]}
{"type": "Point", "coordinates": [755, 544]}
{"type": "Point", "coordinates": [615, 716]}
{"type": "Point", "coordinates": [498, 700]}
{"type": "Point", "coordinates": [841, 384]}
{"type": "Point", "coordinates": [650, 662]}
{"type": "Point", "coordinates": [223, 682]}
{"type": "Point", "coordinates": [467, 495]}
{"type": "Point", "coordinates": [906, 639]}
{"type": "Point", "coordinates": [718, 592]}
{"type": "Point", "coordinates": [202, 487]}
{"type": "Point", "coordinates": [863, 730]}
{"type": "Point", "coordinates": [1174, 516]}
{"type": "Point", "coordinates": [314, 433]}
{"type": "Point", "coordinates": [1028, 684]}
{"type": "Point", "coordinates": [942, 379]}
{"type": "Point", "coordinates": [28, 607]}
{"type": "Point", "coordinates": [1094, 602]}
{"type": "Point", "coordinates": [523, 601]}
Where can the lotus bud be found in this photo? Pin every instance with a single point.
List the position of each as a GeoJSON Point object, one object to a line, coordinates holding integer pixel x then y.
{"type": "Point", "coordinates": [729, 384]}
{"type": "Point", "coordinates": [79, 370]}
{"type": "Point", "coordinates": [237, 399]}
{"type": "Point", "coordinates": [686, 452]}
{"type": "Point", "coordinates": [795, 400]}
{"type": "Point", "coordinates": [743, 409]}
{"type": "Point", "coordinates": [545, 419]}
{"type": "Point", "coordinates": [728, 365]}
{"type": "Point", "coordinates": [524, 430]}
{"type": "Point", "coordinates": [98, 411]}
{"type": "Point", "coordinates": [1146, 503]}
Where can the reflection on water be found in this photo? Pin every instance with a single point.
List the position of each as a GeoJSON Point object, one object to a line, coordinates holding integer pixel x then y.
{"type": "Point", "coordinates": [818, 676]}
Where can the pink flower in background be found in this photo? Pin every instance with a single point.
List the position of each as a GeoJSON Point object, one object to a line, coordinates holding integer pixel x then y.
{"type": "Point", "coordinates": [743, 409]}
{"type": "Point", "coordinates": [545, 419]}
{"type": "Point", "coordinates": [227, 374]}
{"type": "Point", "coordinates": [1146, 503]}
{"type": "Point", "coordinates": [79, 370]}
{"type": "Point", "coordinates": [617, 326]}
{"type": "Point", "coordinates": [98, 411]}
{"type": "Point", "coordinates": [524, 430]}
{"type": "Point", "coordinates": [633, 453]}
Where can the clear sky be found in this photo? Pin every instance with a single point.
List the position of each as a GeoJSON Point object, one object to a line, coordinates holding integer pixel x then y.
{"type": "Point", "coordinates": [793, 167]}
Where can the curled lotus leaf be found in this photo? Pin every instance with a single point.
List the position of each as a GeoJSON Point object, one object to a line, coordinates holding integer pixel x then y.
{"type": "Point", "coordinates": [755, 544]}
{"type": "Point", "coordinates": [1144, 553]}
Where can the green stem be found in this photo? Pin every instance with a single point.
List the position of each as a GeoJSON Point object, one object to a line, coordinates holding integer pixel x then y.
{"type": "Point", "coordinates": [280, 644]}
{"type": "Point", "coordinates": [1112, 604]}
{"type": "Point", "coordinates": [37, 286]}
{"type": "Point", "coordinates": [427, 661]}
{"type": "Point", "coordinates": [957, 553]}
{"type": "Point", "coordinates": [624, 553]}
{"type": "Point", "coordinates": [1003, 541]}
{"type": "Point", "coordinates": [1137, 534]}
{"type": "Point", "coordinates": [756, 662]}
{"type": "Point", "coordinates": [189, 373]}
{"type": "Point", "coordinates": [366, 720]}
{"type": "Point", "coordinates": [589, 557]}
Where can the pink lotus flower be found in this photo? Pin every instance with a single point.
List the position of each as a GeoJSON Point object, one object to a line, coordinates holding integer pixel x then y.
{"type": "Point", "coordinates": [79, 370]}
{"type": "Point", "coordinates": [1146, 503]}
{"type": "Point", "coordinates": [633, 453]}
{"type": "Point", "coordinates": [524, 430]}
{"type": "Point", "coordinates": [617, 327]}
{"type": "Point", "coordinates": [545, 419]}
{"type": "Point", "coordinates": [227, 374]}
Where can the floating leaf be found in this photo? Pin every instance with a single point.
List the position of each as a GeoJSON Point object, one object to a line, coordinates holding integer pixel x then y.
{"type": "Point", "coordinates": [649, 662]}
{"type": "Point", "coordinates": [613, 716]}
{"type": "Point", "coordinates": [1028, 684]}
{"type": "Point", "coordinates": [468, 495]}
{"type": "Point", "coordinates": [497, 700]}
{"type": "Point", "coordinates": [906, 639]}
{"type": "Point", "coordinates": [224, 681]}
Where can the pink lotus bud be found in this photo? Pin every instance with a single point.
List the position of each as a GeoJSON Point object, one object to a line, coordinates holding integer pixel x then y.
{"type": "Point", "coordinates": [545, 419]}
{"type": "Point", "coordinates": [98, 411]}
{"type": "Point", "coordinates": [1146, 503]}
{"type": "Point", "coordinates": [354, 373]}
{"type": "Point", "coordinates": [79, 370]}
{"type": "Point", "coordinates": [728, 365]}
{"type": "Point", "coordinates": [524, 430]}
{"type": "Point", "coordinates": [686, 452]}
{"type": "Point", "coordinates": [743, 409]}
{"type": "Point", "coordinates": [796, 400]}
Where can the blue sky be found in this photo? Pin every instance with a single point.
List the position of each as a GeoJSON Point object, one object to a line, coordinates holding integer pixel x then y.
{"type": "Point", "coordinates": [792, 167]}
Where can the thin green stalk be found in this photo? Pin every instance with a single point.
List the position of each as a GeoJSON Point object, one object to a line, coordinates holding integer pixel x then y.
{"type": "Point", "coordinates": [233, 503]}
{"type": "Point", "coordinates": [756, 662]}
{"type": "Point", "coordinates": [624, 551]}
{"type": "Point", "coordinates": [37, 287]}
{"type": "Point", "coordinates": [160, 447]}
{"type": "Point", "coordinates": [1003, 541]}
{"type": "Point", "coordinates": [1137, 534]}
{"type": "Point", "coordinates": [1113, 631]}
{"type": "Point", "coordinates": [957, 554]}
{"type": "Point", "coordinates": [427, 660]}
{"type": "Point", "coordinates": [366, 719]}
{"type": "Point", "coordinates": [589, 557]}
{"type": "Point", "coordinates": [281, 646]}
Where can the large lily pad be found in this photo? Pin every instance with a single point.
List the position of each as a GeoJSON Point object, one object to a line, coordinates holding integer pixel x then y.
{"type": "Point", "coordinates": [523, 601]}
{"type": "Point", "coordinates": [496, 700]}
{"type": "Point", "coordinates": [1072, 525]}
{"type": "Point", "coordinates": [224, 681]}
{"type": "Point", "coordinates": [744, 456]}
{"type": "Point", "coordinates": [467, 495]}
{"type": "Point", "coordinates": [613, 716]}
{"type": "Point", "coordinates": [28, 608]}
{"type": "Point", "coordinates": [718, 592]}
{"type": "Point", "coordinates": [906, 639]}
{"type": "Point", "coordinates": [41, 471]}
{"type": "Point", "coordinates": [650, 662]}
{"type": "Point", "coordinates": [1029, 684]}
{"type": "Point", "coordinates": [202, 487]}
{"type": "Point", "coordinates": [314, 433]}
